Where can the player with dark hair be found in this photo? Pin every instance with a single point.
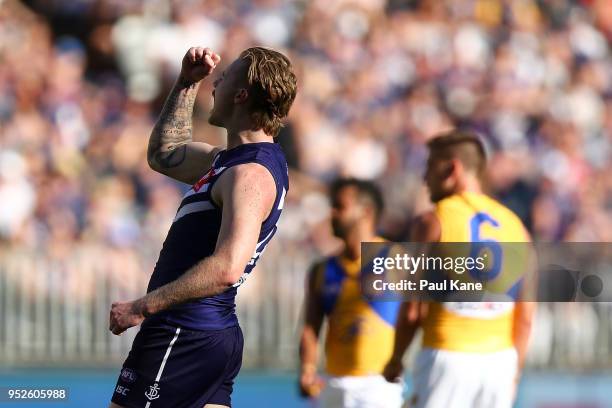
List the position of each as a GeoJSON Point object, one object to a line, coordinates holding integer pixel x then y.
{"type": "Point", "coordinates": [189, 348]}
{"type": "Point", "coordinates": [360, 333]}
{"type": "Point", "coordinates": [472, 352]}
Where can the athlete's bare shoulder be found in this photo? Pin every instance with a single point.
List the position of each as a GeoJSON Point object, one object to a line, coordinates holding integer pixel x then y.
{"type": "Point", "coordinates": [250, 181]}
{"type": "Point", "coordinates": [315, 275]}
{"type": "Point", "coordinates": [426, 228]}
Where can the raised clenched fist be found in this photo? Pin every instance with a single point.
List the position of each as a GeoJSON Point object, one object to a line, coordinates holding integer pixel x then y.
{"type": "Point", "coordinates": [198, 63]}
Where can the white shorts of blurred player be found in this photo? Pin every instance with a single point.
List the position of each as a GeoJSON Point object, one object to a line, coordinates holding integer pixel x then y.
{"type": "Point", "coordinates": [453, 379]}
{"type": "Point", "coordinates": [371, 391]}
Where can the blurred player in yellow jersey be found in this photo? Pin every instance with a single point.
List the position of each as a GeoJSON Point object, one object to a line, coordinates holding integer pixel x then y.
{"type": "Point", "coordinates": [472, 353]}
{"type": "Point", "coordinates": [360, 333]}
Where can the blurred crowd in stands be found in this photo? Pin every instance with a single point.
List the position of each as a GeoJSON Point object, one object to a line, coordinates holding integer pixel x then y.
{"type": "Point", "coordinates": [82, 82]}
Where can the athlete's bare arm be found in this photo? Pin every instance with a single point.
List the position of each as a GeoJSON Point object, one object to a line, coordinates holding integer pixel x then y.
{"type": "Point", "coordinates": [426, 228]}
{"type": "Point", "coordinates": [524, 313]}
{"type": "Point", "coordinates": [246, 193]}
{"type": "Point", "coordinates": [171, 150]}
{"type": "Point", "coordinates": [313, 319]}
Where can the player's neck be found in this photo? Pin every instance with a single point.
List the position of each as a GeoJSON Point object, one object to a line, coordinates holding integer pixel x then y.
{"type": "Point", "coordinates": [240, 137]}
{"type": "Point", "coordinates": [240, 131]}
{"type": "Point", "coordinates": [352, 243]}
{"type": "Point", "coordinates": [470, 185]}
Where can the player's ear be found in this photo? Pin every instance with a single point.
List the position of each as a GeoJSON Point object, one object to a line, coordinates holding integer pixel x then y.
{"type": "Point", "coordinates": [452, 166]}
{"type": "Point", "coordinates": [241, 96]}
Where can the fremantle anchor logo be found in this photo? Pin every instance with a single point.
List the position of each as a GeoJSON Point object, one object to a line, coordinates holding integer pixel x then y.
{"type": "Point", "coordinates": [153, 392]}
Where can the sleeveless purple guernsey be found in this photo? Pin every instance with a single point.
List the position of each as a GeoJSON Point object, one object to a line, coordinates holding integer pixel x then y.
{"type": "Point", "coordinates": [194, 232]}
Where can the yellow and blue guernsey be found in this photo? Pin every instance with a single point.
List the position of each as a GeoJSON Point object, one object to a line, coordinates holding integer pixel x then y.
{"type": "Point", "coordinates": [360, 332]}
{"type": "Point", "coordinates": [481, 327]}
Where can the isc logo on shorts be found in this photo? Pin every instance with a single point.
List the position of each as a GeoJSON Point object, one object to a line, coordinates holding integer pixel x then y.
{"type": "Point", "coordinates": [122, 390]}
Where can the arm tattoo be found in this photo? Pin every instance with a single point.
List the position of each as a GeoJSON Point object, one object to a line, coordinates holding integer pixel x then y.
{"type": "Point", "coordinates": [167, 144]}
{"type": "Point", "coordinates": [171, 158]}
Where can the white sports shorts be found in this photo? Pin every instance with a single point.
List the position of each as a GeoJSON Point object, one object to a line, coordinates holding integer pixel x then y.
{"type": "Point", "coordinates": [371, 391]}
{"type": "Point", "coordinates": [452, 379]}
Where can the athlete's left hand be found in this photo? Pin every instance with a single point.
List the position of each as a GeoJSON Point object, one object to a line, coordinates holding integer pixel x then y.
{"type": "Point", "coordinates": [124, 315]}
